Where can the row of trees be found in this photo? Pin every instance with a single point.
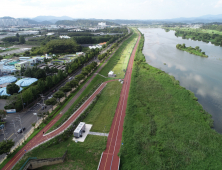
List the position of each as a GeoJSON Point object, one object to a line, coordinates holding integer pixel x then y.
{"type": "Point", "coordinates": [20, 39]}
{"type": "Point", "coordinates": [72, 84]}
{"type": "Point", "coordinates": [39, 73]}
{"type": "Point", "coordinates": [78, 62]}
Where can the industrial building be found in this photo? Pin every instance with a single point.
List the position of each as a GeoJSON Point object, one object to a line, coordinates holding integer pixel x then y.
{"type": "Point", "coordinates": [24, 64]}
{"type": "Point", "coordinates": [26, 82]}
{"type": "Point", "coordinates": [5, 80]}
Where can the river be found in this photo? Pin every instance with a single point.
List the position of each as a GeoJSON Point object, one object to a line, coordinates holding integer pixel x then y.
{"type": "Point", "coordinates": [203, 76]}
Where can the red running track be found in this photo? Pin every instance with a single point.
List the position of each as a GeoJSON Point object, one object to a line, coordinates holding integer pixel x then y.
{"type": "Point", "coordinates": [110, 159]}
{"type": "Point", "coordinates": [40, 138]}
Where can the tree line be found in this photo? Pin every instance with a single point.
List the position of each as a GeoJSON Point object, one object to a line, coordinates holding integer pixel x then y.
{"type": "Point", "coordinates": [72, 84]}
{"type": "Point", "coordinates": [205, 37]}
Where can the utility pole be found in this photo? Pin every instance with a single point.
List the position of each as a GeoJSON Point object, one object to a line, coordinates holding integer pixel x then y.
{"type": "Point", "coordinates": [14, 126]}
{"type": "Point", "coordinates": [20, 123]}
{"type": "Point", "coordinates": [43, 100]}
{"type": "Point", "coordinates": [22, 101]}
{"type": "Point", "coordinates": [4, 134]}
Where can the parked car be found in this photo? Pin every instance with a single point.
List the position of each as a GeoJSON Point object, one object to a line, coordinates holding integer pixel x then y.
{"type": "Point", "coordinates": [21, 130]}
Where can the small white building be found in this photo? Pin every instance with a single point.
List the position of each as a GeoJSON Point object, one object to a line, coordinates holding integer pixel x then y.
{"type": "Point", "coordinates": [102, 24]}
{"type": "Point", "coordinates": [111, 74]}
{"type": "Point", "coordinates": [50, 33]}
{"type": "Point", "coordinates": [79, 130]}
{"type": "Point", "coordinates": [64, 37]}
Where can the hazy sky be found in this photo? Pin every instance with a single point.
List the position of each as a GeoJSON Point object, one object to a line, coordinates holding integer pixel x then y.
{"type": "Point", "coordinates": [110, 9]}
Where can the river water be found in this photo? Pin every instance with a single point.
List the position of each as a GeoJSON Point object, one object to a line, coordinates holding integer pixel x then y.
{"type": "Point", "coordinates": [203, 76]}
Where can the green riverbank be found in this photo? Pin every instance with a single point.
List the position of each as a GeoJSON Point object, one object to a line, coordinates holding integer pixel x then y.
{"type": "Point", "coordinates": [205, 35]}
{"type": "Point", "coordinates": [165, 127]}
{"type": "Point", "coordinates": [191, 50]}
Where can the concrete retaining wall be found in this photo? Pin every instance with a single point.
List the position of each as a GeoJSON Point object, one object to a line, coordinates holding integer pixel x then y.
{"type": "Point", "coordinates": [37, 163]}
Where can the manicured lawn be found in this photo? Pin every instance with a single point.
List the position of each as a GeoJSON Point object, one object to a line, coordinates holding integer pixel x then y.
{"type": "Point", "coordinates": [116, 58]}
{"type": "Point", "coordinates": [103, 112]}
{"type": "Point", "coordinates": [84, 156]}
{"type": "Point", "coordinates": [124, 58]}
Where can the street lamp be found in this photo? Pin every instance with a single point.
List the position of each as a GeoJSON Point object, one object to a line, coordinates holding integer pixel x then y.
{"type": "Point", "coordinates": [36, 116]}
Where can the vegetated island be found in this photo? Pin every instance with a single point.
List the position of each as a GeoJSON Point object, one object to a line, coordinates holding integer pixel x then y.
{"type": "Point", "coordinates": [191, 50]}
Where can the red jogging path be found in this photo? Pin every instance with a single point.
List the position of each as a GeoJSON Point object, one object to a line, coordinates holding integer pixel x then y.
{"type": "Point", "coordinates": [41, 138]}
{"type": "Point", "coordinates": [110, 159]}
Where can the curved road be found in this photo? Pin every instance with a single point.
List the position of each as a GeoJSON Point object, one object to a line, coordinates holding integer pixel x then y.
{"type": "Point", "coordinates": [110, 159]}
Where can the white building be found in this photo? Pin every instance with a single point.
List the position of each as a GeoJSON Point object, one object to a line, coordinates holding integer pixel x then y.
{"type": "Point", "coordinates": [8, 21]}
{"type": "Point", "coordinates": [64, 37]}
{"type": "Point", "coordinates": [102, 24]}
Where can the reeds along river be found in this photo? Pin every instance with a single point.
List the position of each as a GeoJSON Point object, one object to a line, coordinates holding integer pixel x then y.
{"type": "Point", "coordinates": [203, 76]}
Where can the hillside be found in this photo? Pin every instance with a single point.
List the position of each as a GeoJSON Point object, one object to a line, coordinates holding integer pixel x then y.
{"type": "Point", "coordinates": [83, 22]}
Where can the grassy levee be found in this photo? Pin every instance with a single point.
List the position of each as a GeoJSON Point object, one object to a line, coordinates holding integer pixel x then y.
{"type": "Point", "coordinates": [124, 56]}
{"type": "Point", "coordinates": [96, 81]}
{"type": "Point", "coordinates": [165, 127]}
{"type": "Point", "coordinates": [84, 156]}
{"type": "Point", "coordinates": [116, 57]}
{"type": "Point", "coordinates": [102, 114]}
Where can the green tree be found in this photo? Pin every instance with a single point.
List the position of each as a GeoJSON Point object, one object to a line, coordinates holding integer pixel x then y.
{"type": "Point", "coordinates": [40, 74]}
{"type": "Point", "coordinates": [73, 83]}
{"type": "Point", "coordinates": [21, 40]}
{"type": "Point", "coordinates": [51, 102]}
{"type": "Point", "coordinates": [66, 89]}
{"type": "Point", "coordinates": [55, 79]}
{"type": "Point", "coordinates": [6, 146]}
{"type": "Point", "coordinates": [80, 77]}
{"type": "Point", "coordinates": [49, 82]}
{"type": "Point", "coordinates": [27, 96]}
{"type": "Point", "coordinates": [2, 114]}
{"type": "Point", "coordinates": [17, 35]}
{"type": "Point", "coordinates": [41, 85]}
{"type": "Point", "coordinates": [58, 95]}
{"type": "Point", "coordinates": [12, 88]}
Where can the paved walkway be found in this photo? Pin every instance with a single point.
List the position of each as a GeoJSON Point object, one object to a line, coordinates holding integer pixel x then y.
{"type": "Point", "coordinates": [110, 159]}
{"type": "Point", "coordinates": [98, 134]}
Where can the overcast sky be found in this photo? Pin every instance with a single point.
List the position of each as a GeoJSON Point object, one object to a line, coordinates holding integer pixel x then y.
{"type": "Point", "coordinates": [110, 9]}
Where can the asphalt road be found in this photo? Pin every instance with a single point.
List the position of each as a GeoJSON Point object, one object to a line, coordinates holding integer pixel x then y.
{"type": "Point", "coordinates": [21, 50]}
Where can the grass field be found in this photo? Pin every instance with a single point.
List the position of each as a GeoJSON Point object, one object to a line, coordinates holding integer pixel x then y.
{"type": "Point", "coordinates": [165, 127]}
{"type": "Point", "coordinates": [81, 156]}
{"type": "Point", "coordinates": [103, 112]}
{"type": "Point", "coordinates": [122, 63]}
{"type": "Point", "coordinates": [113, 62]}
{"type": "Point", "coordinates": [97, 80]}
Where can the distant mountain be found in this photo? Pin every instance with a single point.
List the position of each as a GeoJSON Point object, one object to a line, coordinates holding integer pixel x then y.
{"type": "Point", "coordinates": [52, 19]}
{"type": "Point", "coordinates": [83, 22]}
{"type": "Point", "coordinates": [7, 18]}
{"type": "Point", "coordinates": [201, 19]}
{"type": "Point", "coordinates": [30, 21]}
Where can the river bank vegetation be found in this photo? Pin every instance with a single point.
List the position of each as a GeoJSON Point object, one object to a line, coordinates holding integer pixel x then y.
{"type": "Point", "coordinates": [191, 50]}
{"type": "Point", "coordinates": [165, 127]}
{"type": "Point", "coordinates": [200, 34]}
